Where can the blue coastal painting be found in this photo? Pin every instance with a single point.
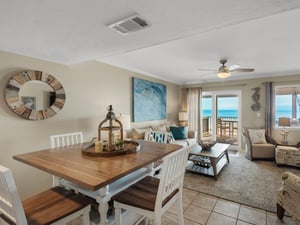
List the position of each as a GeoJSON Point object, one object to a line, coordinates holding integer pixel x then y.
{"type": "Point", "coordinates": [149, 100]}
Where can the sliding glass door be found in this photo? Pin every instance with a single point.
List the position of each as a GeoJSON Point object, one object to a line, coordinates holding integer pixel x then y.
{"type": "Point", "coordinates": [220, 117]}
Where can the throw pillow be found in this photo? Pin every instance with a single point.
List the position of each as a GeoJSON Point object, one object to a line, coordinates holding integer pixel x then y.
{"type": "Point", "coordinates": [161, 127]}
{"type": "Point", "coordinates": [179, 132]}
{"type": "Point", "coordinates": [140, 133]}
{"type": "Point", "coordinates": [170, 137]}
{"type": "Point", "coordinates": [257, 136]}
{"type": "Point", "coordinates": [158, 136]}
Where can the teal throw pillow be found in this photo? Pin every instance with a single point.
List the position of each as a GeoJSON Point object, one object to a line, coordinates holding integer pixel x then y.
{"type": "Point", "coordinates": [179, 132]}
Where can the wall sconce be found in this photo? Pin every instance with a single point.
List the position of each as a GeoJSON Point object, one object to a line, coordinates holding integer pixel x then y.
{"type": "Point", "coordinates": [183, 118]}
{"type": "Point", "coordinates": [284, 122]}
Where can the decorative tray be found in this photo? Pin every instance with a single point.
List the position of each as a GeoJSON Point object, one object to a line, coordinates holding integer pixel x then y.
{"type": "Point", "coordinates": [129, 147]}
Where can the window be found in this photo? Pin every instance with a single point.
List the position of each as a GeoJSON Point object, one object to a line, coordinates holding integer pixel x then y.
{"type": "Point", "coordinates": [287, 104]}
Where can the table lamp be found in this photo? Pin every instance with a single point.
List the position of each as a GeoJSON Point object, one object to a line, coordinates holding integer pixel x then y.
{"type": "Point", "coordinates": [183, 118]}
{"type": "Point", "coordinates": [284, 122]}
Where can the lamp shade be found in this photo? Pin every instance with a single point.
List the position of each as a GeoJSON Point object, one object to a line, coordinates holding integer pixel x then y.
{"type": "Point", "coordinates": [125, 120]}
{"type": "Point", "coordinates": [183, 116]}
{"type": "Point", "coordinates": [284, 122]}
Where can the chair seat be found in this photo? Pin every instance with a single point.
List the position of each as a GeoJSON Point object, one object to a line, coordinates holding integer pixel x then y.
{"type": "Point", "coordinates": [142, 194]}
{"type": "Point", "coordinates": [52, 205]}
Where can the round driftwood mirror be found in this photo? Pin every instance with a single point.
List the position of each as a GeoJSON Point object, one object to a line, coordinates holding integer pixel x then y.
{"type": "Point", "coordinates": [34, 95]}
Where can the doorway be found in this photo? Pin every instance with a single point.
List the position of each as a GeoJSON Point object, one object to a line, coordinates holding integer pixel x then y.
{"type": "Point", "coordinates": [221, 117]}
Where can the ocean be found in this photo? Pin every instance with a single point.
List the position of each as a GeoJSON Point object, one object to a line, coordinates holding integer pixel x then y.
{"type": "Point", "coordinates": [221, 113]}
{"type": "Point", "coordinates": [280, 112]}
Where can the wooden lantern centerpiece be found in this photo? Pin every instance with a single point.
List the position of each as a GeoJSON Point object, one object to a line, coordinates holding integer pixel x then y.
{"type": "Point", "coordinates": [111, 129]}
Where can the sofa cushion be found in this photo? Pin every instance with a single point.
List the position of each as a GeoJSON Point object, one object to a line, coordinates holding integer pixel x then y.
{"type": "Point", "coordinates": [140, 133]}
{"type": "Point", "coordinates": [179, 132]}
{"type": "Point", "coordinates": [257, 136]}
{"type": "Point", "coordinates": [266, 151]}
{"type": "Point", "coordinates": [162, 128]}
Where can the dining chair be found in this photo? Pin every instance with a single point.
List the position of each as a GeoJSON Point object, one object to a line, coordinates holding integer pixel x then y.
{"type": "Point", "coordinates": [152, 197]}
{"type": "Point", "coordinates": [54, 206]}
{"type": "Point", "coordinates": [62, 140]}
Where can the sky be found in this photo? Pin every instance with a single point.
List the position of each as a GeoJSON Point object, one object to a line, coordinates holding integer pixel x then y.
{"type": "Point", "coordinates": [223, 103]}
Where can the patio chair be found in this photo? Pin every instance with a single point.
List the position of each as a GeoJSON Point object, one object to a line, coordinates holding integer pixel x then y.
{"type": "Point", "coordinates": [54, 206]}
{"type": "Point", "coordinates": [152, 197]}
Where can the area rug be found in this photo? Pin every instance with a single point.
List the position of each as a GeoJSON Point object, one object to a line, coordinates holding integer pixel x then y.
{"type": "Point", "coordinates": [253, 183]}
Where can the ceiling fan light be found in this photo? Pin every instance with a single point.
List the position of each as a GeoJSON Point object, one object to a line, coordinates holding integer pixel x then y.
{"type": "Point", "coordinates": [224, 74]}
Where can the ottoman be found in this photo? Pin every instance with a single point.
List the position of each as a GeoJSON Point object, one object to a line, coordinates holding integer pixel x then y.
{"type": "Point", "coordinates": [287, 155]}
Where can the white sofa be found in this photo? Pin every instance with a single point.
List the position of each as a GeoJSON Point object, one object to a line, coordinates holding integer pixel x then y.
{"type": "Point", "coordinates": [139, 133]}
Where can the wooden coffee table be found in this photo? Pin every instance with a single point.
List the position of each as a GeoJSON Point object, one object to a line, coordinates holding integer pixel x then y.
{"type": "Point", "coordinates": [209, 162]}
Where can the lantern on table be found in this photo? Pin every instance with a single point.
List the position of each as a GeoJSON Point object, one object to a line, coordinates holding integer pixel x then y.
{"type": "Point", "coordinates": [111, 129]}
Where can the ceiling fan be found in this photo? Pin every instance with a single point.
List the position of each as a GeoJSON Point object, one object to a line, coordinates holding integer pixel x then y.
{"type": "Point", "coordinates": [225, 71]}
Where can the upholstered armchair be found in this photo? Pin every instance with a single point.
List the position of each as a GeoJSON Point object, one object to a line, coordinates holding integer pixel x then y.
{"type": "Point", "coordinates": [258, 145]}
{"type": "Point", "coordinates": [288, 197]}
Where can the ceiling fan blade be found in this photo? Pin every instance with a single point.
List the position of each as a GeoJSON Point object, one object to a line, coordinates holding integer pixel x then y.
{"type": "Point", "coordinates": [206, 70]}
{"type": "Point", "coordinates": [242, 70]}
{"type": "Point", "coordinates": [233, 67]}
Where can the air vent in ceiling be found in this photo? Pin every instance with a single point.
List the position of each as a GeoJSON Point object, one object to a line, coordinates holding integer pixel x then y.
{"type": "Point", "coordinates": [130, 24]}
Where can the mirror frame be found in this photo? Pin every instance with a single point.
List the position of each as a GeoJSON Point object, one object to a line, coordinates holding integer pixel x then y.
{"type": "Point", "coordinates": [14, 101]}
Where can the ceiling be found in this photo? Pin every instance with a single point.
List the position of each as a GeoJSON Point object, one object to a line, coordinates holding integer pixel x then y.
{"type": "Point", "coordinates": [185, 36]}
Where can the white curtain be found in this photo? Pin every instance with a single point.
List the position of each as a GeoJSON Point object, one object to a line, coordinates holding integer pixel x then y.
{"type": "Point", "coordinates": [194, 96]}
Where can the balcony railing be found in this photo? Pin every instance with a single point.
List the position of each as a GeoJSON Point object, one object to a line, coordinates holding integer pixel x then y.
{"type": "Point", "coordinates": [226, 128]}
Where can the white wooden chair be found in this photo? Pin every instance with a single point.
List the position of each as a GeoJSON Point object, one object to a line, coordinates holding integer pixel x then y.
{"type": "Point", "coordinates": [152, 197]}
{"type": "Point", "coordinates": [54, 206]}
{"type": "Point", "coordinates": [62, 140]}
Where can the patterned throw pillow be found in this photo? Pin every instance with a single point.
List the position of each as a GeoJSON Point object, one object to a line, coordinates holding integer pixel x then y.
{"type": "Point", "coordinates": [257, 136]}
{"type": "Point", "coordinates": [157, 136]}
{"type": "Point", "coordinates": [170, 137]}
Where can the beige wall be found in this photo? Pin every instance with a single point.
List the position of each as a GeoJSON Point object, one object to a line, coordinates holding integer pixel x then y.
{"type": "Point", "coordinates": [249, 117]}
{"type": "Point", "coordinates": [90, 87]}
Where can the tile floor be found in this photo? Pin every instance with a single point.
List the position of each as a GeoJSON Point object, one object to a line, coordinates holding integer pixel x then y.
{"type": "Point", "coordinates": [202, 209]}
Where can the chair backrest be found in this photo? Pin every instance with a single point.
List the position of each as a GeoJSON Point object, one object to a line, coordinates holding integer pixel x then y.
{"type": "Point", "coordinates": [11, 208]}
{"type": "Point", "coordinates": [61, 140]}
{"type": "Point", "coordinates": [173, 170]}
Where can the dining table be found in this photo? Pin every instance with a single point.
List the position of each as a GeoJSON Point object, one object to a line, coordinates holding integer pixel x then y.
{"type": "Point", "coordinates": [99, 177]}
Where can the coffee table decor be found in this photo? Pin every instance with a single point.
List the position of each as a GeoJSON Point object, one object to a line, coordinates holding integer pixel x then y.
{"type": "Point", "coordinates": [206, 145]}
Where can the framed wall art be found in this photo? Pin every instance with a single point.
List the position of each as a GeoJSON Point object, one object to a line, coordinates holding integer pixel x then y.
{"type": "Point", "coordinates": [149, 100]}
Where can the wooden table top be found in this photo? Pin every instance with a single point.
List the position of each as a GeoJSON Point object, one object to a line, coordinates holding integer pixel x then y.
{"type": "Point", "coordinates": [91, 172]}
